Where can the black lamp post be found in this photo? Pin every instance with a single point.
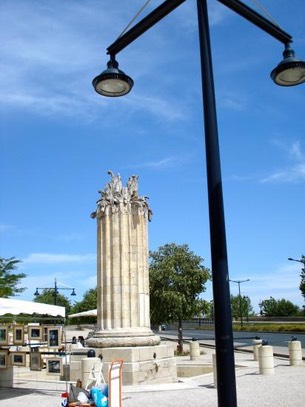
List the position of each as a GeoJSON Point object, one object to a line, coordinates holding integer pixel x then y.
{"type": "Point", "coordinates": [239, 295]}
{"type": "Point", "coordinates": [55, 288]}
{"type": "Point", "coordinates": [113, 82]}
{"type": "Point", "coordinates": [302, 260]}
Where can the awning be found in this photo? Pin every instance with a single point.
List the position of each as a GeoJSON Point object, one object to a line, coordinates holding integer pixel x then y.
{"type": "Point", "coordinates": [89, 313]}
{"type": "Point", "coordinates": [16, 307]}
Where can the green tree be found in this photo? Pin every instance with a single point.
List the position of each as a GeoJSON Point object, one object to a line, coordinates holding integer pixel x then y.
{"type": "Point", "coordinates": [278, 308]}
{"type": "Point", "coordinates": [205, 309]}
{"type": "Point", "coordinates": [48, 297]}
{"type": "Point", "coordinates": [241, 306]}
{"type": "Point", "coordinates": [9, 280]}
{"type": "Point", "coordinates": [177, 278]}
{"type": "Point", "coordinates": [88, 302]}
{"type": "Point", "coordinates": [302, 275]}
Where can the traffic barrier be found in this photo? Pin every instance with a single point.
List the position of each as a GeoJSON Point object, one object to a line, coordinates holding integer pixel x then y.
{"type": "Point", "coordinates": [256, 344]}
{"type": "Point", "coordinates": [265, 359]}
{"type": "Point", "coordinates": [194, 350]}
{"type": "Point", "coordinates": [295, 353]}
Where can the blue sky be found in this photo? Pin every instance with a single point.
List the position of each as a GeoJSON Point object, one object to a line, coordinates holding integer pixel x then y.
{"type": "Point", "coordinates": [58, 139]}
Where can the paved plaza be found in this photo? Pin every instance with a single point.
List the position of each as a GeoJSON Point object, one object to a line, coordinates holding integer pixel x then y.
{"type": "Point", "coordinates": [286, 387]}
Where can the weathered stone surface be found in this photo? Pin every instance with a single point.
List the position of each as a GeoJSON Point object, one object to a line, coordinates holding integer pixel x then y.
{"type": "Point", "coordinates": [123, 309]}
{"type": "Point", "coordinates": [105, 341]}
{"type": "Point", "coordinates": [123, 314]}
{"type": "Point", "coordinates": [148, 364]}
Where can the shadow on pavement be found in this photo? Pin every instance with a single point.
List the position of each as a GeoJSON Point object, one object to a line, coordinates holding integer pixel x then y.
{"type": "Point", "coordinates": [9, 392]}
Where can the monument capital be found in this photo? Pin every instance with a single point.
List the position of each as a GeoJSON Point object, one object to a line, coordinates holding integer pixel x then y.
{"type": "Point", "coordinates": [118, 198]}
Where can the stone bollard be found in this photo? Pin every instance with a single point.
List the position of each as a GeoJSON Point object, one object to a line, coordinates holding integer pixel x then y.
{"type": "Point", "coordinates": [7, 377]}
{"type": "Point", "coordinates": [214, 370]}
{"type": "Point", "coordinates": [87, 365]}
{"type": "Point", "coordinates": [295, 353]}
{"type": "Point", "coordinates": [265, 360]}
{"type": "Point", "coordinates": [256, 344]}
{"type": "Point", "coordinates": [194, 350]}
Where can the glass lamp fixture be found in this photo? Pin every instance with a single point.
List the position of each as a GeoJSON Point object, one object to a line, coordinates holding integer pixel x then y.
{"type": "Point", "coordinates": [290, 71]}
{"type": "Point", "coordinates": [112, 82]}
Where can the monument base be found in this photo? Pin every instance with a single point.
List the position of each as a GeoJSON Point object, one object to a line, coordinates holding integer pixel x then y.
{"type": "Point", "coordinates": [141, 365]}
{"type": "Point", "coordinates": [123, 338]}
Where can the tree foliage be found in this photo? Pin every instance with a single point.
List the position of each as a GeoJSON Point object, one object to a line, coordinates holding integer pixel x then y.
{"type": "Point", "coordinates": [205, 309]}
{"type": "Point", "coordinates": [302, 275]}
{"type": "Point", "coordinates": [278, 308]}
{"type": "Point", "coordinates": [88, 302]}
{"type": "Point", "coordinates": [48, 297]}
{"type": "Point", "coordinates": [9, 280]}
{"type": "Point", "coordinates": [241, 306]}
{"type": "Point", "coordinates": [177, 278]}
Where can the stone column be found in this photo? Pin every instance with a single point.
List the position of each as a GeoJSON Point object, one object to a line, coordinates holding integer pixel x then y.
{"type": "Point", "coordinates": [123, 315]}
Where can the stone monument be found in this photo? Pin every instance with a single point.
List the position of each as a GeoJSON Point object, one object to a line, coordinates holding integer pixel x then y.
{"type": "Point", "coordinates": [123, 311]}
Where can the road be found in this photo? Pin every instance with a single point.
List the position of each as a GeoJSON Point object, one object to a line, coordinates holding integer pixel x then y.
{"type": "Point", "coordinates": [240, 338]}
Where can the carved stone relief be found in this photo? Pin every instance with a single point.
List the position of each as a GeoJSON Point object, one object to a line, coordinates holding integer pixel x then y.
{"type": "Point", "coordinates": [116, 198]}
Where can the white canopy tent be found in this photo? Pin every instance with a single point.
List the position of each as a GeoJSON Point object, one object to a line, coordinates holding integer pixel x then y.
{"type": "Point", "coordinates": [89, 313]}
{"type": "Point", "coordinates": [16, 307]}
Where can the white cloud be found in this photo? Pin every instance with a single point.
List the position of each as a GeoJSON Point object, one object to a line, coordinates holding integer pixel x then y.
{"type": "Point", "coordinates": [51, 50]}
{"type": "Point", "coordinates": [293, 150]}
{"type": "Point", "coordinates": [296, 151]}
{"type": "Point", "coordinates": [290, 174]}
{"type": "Point", "coordinates": [295, 174]}
{"type": "Point", "coordinates": [217, 13]}
{"type": "Point", "coordinates": [44, 46]}
{"type": "Point", "coordinates": [168, 162]}
{"type": "Point", "coordinates": [160, 107]}
{"type": "Point", "coordinates": [282, 281]}
{"type": "Point", "coordinates": [52, 258]}
{"type": "Point", "coordinates": [233, 102]}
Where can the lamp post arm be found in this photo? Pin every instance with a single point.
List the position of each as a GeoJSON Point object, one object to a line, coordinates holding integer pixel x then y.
{"type": "Point", "coordinates": [258, 20]}
{"type": "Point", "coordinates": [169, 5]}
{"type": "Point", "coordinates": [143, 25]}
{"type": "Point", "coordinates": [52, 288]}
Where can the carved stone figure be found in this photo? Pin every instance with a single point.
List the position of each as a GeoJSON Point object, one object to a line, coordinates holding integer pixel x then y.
{"type": "Point", "coordinates": [115, 197]}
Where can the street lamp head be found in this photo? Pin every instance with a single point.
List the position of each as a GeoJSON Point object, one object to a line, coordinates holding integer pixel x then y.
{"type": "Point", "coordinates": [290, 71]}
{"type": "Point", "coordinates": [112, 82]}
{"type": "Point", "coordinates": [301, 260]}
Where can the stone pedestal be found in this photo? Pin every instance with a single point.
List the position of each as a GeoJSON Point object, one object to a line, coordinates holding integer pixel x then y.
{"type": "Point", "coordinates": [142, 364]}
